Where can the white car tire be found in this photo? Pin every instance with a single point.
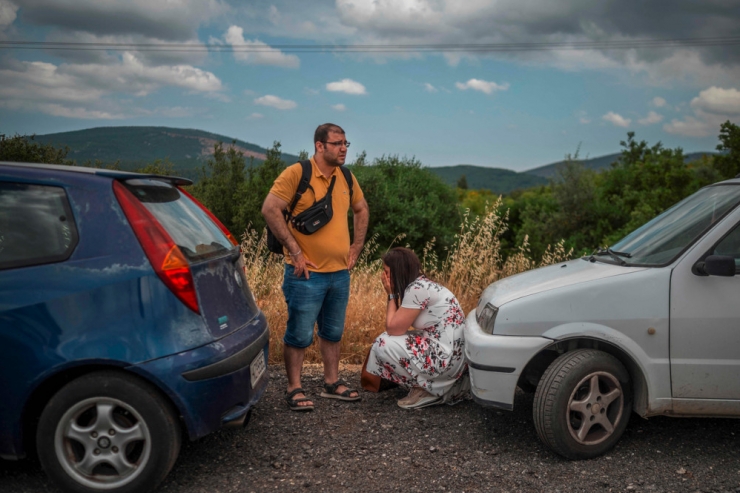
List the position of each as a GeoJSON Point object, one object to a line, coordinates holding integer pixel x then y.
{"type": "Point", "coordinates": [583, 403]}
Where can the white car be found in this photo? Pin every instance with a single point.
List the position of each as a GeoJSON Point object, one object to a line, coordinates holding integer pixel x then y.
{"type": "Point", "coordinates": [650, 325]}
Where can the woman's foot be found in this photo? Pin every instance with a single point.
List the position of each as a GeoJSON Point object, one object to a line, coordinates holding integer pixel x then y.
{"type": "Point", "coordinates": [419, 398]}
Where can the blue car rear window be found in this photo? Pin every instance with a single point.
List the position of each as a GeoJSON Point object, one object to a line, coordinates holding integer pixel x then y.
{"type": "Point", "coordinates": [36, 225]}
{"type": "Point", "coordinates": [190, 228]}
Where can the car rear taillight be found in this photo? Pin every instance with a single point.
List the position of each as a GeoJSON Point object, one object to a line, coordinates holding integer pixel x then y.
{"type": "Point", "coordinates": [213, 218]}
{"type": "Point", "coordinates": [165, 256]}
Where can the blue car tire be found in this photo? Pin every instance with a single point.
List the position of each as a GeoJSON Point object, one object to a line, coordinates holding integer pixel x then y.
{"type": "Point", "coordinates": [108, 431]}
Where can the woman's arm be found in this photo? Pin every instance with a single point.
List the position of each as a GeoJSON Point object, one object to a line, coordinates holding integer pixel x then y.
{"type": "Point", "coordinates": [397, 320]}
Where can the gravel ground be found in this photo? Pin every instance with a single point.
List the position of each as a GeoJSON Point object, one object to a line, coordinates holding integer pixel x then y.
{"type": "Point", "coordinates": [374, 446]}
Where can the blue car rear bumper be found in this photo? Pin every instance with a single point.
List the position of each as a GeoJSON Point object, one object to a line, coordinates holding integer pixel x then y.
{"type": "Point", "coordinates": [211, 385]}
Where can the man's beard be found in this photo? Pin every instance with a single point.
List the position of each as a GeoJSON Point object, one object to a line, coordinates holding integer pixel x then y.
{"type": "Point", "coordinates": [335, 162]}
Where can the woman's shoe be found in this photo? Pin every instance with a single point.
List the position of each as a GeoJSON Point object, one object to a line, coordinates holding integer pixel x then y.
{"type": "Point", "coordinates": [419, 398]}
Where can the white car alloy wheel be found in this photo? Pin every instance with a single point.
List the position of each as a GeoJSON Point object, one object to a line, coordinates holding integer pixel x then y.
{"type": "Point", "coordinates": [596, 406]}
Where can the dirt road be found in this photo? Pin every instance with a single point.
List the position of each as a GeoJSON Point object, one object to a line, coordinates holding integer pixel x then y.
{"type": "Point", "coordinates": [375, 446]}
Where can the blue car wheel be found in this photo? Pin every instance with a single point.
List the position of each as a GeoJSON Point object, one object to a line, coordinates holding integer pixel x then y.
{"type": "Point", "coordinates": [108, 431]}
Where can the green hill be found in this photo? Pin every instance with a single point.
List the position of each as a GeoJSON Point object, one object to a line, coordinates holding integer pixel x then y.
{"type": "Point", "coordinates": [133, 147]}
{"type": "Point", "coordinates": [599, 163]}
{"type": "Point", "coordinates": [497, 180]}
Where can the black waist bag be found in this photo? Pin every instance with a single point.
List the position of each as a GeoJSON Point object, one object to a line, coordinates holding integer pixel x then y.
{"type": "Point", "coordinates": [316, 216]}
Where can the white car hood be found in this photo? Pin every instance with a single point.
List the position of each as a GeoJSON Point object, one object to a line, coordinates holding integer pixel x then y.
{"type": "Point", "coordinates": [551, 277]}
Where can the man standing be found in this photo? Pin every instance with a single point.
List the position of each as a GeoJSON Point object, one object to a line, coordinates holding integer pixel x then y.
{"type": "Point", "coordinates": [316, 279]}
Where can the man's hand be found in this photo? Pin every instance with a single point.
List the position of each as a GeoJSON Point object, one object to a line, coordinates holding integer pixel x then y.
{"type": "Point", "coordinates": [300, 264]}
{"type": "Point", "coordinates": [354, 254]}
{"type": "Point", "coordinates": [361, 217]}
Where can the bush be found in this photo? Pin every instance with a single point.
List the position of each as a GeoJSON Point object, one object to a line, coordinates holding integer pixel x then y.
{"type": "Point", "coordinates": [23, 149]}
{"type": "Point", "coordinates": [405, 198]}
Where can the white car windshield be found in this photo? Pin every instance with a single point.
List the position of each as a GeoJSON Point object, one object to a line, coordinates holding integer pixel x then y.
{"type": "Point", "coordinates": [662, 239]}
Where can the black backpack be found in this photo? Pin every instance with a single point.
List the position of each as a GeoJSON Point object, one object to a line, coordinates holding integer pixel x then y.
{"type": "Point", "coordinates": [273, 244]}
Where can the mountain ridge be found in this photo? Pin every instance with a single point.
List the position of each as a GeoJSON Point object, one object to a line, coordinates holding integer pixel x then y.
{"type": "Point", "coordinates": [188, 149]}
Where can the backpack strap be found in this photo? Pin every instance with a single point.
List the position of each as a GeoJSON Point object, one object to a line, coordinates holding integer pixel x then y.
{"type": "Point", "coordinates": [350, 182]}
{"type": "Point", "coordinates": [303, 185]}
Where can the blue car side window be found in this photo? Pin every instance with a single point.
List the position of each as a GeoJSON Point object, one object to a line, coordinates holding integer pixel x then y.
{"type": "Point", "coordinates": [36, 225]}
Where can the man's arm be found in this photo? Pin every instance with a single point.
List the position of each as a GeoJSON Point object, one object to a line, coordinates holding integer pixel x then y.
{"type": "Point", "coordinates": [361, 217]}
{"type": "Point", "coordinates": [272, 210]}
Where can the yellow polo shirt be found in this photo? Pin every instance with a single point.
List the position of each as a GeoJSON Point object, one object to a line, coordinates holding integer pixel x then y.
{"type": "Point", "coordinates": [328, 247]}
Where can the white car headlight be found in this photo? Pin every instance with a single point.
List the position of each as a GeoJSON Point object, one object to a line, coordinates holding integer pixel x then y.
{"type": "Point", "coordinates": [486, 318]}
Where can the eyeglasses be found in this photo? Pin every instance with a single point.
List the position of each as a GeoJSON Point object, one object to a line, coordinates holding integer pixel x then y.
{"type": "Point", "coordinates": [339, 143]}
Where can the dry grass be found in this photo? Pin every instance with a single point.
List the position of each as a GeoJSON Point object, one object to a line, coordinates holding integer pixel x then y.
{"type": "Point", "coordinates": [473, 263]}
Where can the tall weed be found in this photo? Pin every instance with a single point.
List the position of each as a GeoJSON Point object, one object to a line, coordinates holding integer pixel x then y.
{"type": "Point", "coordinates": [474, 261]}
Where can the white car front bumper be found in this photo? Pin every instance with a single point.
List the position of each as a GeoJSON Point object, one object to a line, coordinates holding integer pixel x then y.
{"type": "Point", "coordinates": [496, 362]}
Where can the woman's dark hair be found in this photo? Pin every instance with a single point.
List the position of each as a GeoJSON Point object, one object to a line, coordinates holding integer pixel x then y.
{"type": "Point", "coordinates": [405, 268]}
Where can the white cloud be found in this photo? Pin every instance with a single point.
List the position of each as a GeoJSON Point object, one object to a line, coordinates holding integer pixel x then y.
{"type": "Point", "coordinates": [132, 76]}
{"type": "Point", "coordinates": [276, 102]}
{"type": "Point", "coordinates": [658, 102]}
{"type": "Point", "coordinates": [77, 112]}
{"type": "Point", "coordinates": [718, 101]}
{"type": "Point", "coordinates": [339, 107]}
{"type": "Point", "coordinates": [348, 86]}
{"type": "Point", "coordinates": [265, 56]}
{"type": "Point", "coordinates": [689, 127]}
{"type": "Point", "coordinates": [429, 88]}
{"type": "Point", "coordinates": [583, 118]}
{"type": "Point", "coordinates": [173, 20]}
{"type": "Point", "coordinates": [651, 118]}
{"type": "Point", "coordinates": [712, 107]}
{"type": "Point", "coordinates": [8, 13]}
{"type": "Point", "coordinates": [255, 116]}
{"type": "Point", "coordinates": [616, 119]}
{"type": "Point", "coordinates": [86, 90]}
{"type": "Point", "coordinates": [274, 15]}
{"type": "Point", "coordinates": [482, 86]}
{"type": "Point", "coordinates": [560, 21]}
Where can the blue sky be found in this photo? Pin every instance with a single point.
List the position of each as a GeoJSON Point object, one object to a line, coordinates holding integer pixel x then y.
{"type": "Point", "coordinates": [511, 110]}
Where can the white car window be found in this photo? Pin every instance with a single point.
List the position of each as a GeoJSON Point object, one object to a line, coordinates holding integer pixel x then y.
{"type": "Point", "coordinates": [730, 246]}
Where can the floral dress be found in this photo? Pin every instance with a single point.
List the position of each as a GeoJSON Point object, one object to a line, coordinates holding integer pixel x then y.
{"type": "Point", "coordinates": [431, 356]}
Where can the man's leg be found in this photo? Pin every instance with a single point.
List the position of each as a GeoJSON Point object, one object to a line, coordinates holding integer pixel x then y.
{"type": "Point", "coordinates": [304, 298]}
{"type": "Point", "coordinates": [331, 327]}
{"type": "Point", "coordinates": [293, 357]}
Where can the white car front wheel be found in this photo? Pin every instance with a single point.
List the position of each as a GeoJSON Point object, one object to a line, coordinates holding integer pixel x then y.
{"type": "Point", "coordinates": [582, 403]}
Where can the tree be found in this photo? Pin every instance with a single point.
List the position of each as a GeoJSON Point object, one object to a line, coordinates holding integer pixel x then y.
{"type": "Point", "coordinates": [728, 163]}
{"type": "Point", "coordinates": [642, 184]}
{"type": "Point", "coordinates": [252, 192]}
{"type": "Point", "coordinates": [462, 183]}
{"type": "Point", "coordinates": [405, 198]}
{"type": "Point", "coordinates": [220, 180]}
{"type": "Point", "coordinates": [163, 167]}
{"type": "Point", "coordinates": [24, 149]}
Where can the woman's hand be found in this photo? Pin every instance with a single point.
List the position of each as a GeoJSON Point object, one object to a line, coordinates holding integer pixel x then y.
{"type": "Point", "coordinates": [386, 282]}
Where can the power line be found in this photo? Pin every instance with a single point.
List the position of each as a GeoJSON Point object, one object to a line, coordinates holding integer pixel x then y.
{"type": "Point", "coordinates": [375, 48]}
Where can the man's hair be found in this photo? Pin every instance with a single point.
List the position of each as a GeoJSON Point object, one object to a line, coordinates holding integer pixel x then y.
{"type": "Point", "coordinates": [322, 132]}
{"type": "Point", "coordinates": [405, 268]}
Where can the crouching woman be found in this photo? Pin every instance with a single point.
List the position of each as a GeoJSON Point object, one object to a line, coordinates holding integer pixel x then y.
{"type": "Point", "coordinates": [429, 358]}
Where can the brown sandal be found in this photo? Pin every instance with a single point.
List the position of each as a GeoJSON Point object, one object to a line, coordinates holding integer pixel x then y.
{"type": "Point", "coordinates": [293, 403]}
{"type": "Point", "coordinates": [331, 391]}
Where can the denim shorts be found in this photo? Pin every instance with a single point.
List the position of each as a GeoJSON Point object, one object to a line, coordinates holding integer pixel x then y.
{"type": "Point", "coordinates": [321, 299]}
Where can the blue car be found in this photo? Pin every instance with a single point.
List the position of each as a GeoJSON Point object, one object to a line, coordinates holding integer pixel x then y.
{"type": "Point", "coordinates": [126, 323]}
